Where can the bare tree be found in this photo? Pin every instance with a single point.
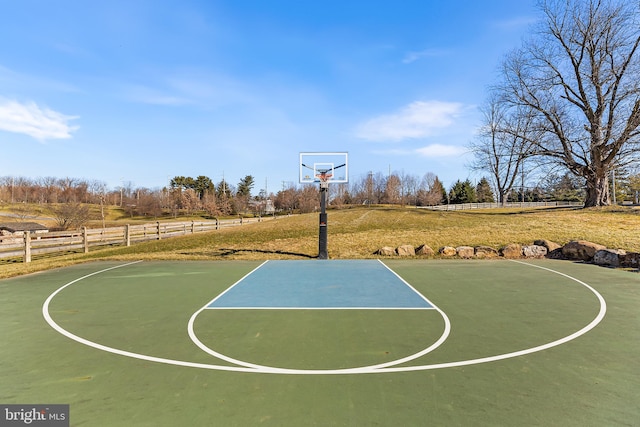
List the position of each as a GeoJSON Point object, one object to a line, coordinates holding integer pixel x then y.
{"type": "Point", "coordinates": [210, 204]}
{"type": "Point", "coordinates": [431, 191]}
{"type": "Point", "coordinates": [308, 199]}
{"type": "Point", "coordinates": [71, 215]}
{"type": "Point", "coordinates": [361, 190]}
{"type": "Point", "coordinates": [409, 188]}
{"type": "Point", "coordinates": [51, 188]}
{"type": "Point", "coordinates": [67, 190]}
{"type": "Point", "coordinates": [393, 190]}
{"type": "Point", "coordinates": [286, 199]}
{"type": "Point", "coordinates": [149, 203]}
{"type": "Point", "coordinates": [580, 74]}
{"type": "Point", "coordinates": [503, 144]}
{"type": "Point", "coordinates": [21, 190]}
{"type": "Point", "coordinates": [339, 194]}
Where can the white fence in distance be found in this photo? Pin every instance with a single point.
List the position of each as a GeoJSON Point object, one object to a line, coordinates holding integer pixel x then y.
{"type": "Point", "coordinates": [28, 244]}
{"type": "Point", "coordinates": [467, 206]}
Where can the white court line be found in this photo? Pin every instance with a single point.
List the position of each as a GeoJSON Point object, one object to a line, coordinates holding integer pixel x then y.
{"type": "Point", "coordinates": [208, 350]}
{"type": "Point", "coordinates": [61, 330]}
{"type": "Point", "coordinates": [432, 306]}
{"type": "Point", "coordinates": [584, 330]}
{"type": "Point", "coordinates": [321, 308]}
{"type": "Point", "coordinates": [235, 284]}
{"type": "Point", "coordinates": [409, 285]}
{"type": "Point", "coordinates": [601, 313]}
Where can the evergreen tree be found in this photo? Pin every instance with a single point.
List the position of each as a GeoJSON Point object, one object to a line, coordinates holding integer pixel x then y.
{"type": "Point", "coordinates": [634, 189]}
{"type": "Point", "coordinates": [462, 192]}
{"type": "Point", "coordinates": [566, 188]}
{"type": "Point", "coordinates": [484, 192]}
{"type": "Point", "coordinates": [626, 183]}
{"type": "Point", "coordinates": [182, 183]}
{"type": "Point", "coordinates": [245, 186]}
{"type": "Point", "coordinates": [203, 185]}
{"type": "Point", "coordinates": [223, 190]}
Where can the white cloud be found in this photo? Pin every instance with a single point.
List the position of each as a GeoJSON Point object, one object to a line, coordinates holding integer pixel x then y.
{"type": "Point", "coordinates": [440, 150]}
{"type": "Point", "coordinates": [417, 120]}
{"type": "Point", "coordinates": [38, 122]}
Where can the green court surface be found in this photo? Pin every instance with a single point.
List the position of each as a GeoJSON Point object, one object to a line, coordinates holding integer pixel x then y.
{"type": "Point", "coordinates": [506, 343]}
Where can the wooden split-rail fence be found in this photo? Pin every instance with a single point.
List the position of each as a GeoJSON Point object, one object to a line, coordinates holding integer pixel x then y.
{"type": "Point", "coordinates": [25, 246]}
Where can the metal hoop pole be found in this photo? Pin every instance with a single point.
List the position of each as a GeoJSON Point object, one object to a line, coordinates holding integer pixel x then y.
{"type": "Point", "coordinates": [322, 234]}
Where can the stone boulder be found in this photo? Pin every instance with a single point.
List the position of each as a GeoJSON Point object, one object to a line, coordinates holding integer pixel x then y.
{"type": "Point", "coordinates": [581, 250]}
{"type": "Point", "coordinates": [424, 250]}
{"type": "Point", "coordinates": [512, 250]}
{"type": "Point", "coordinates": [554, 250]}
{"type": "Point", "coordinates": [386, 251]}
{"type": "Point", "coordinates": [485, 252]}
{"type": "Point", "coordinates": [534, 251]}
{"type": "Point", "coordinates": [609, 257]}
{"type": "Point", "coordinates": [551, 246]}
{"type": "Point", "coordinates": [447, 251]}
{"type": "Point", "coordinates": [406, 250]}
{"type": "Point", "coordinates": [630, 260]}
{"type": "Point", "coordinates": [465, 251]}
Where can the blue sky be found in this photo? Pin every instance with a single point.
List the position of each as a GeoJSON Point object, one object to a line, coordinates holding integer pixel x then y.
{"type": "Point", "coordinates": [140, 91]}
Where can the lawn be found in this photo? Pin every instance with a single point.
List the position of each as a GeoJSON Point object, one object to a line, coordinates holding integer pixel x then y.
{"type": "Point", "coordinates": [357, 233]}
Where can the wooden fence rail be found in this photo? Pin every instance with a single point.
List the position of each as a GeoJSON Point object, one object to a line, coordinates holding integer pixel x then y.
{"type": "Point", "coordinates": [28, 244]}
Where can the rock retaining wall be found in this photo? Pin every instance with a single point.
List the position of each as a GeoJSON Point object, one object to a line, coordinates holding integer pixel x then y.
{"type": "Point", "coordinates": [576, 250]}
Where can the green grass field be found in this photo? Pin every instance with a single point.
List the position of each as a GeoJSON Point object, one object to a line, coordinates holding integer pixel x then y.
{"type": "Point", "coordinates": [495, 308]}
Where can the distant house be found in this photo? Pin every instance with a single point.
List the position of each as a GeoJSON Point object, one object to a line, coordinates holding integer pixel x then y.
{"type": "Point", "coordinates": [21, 227]}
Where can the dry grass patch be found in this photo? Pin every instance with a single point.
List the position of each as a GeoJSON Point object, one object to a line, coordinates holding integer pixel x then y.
{"type": "Point", "coordinates": [358, 232]}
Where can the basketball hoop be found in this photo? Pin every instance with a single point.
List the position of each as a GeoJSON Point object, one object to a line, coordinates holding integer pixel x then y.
{"type": "Point", "coordinates": [324, 179]}
{"type": "Point", "coordinates": [323, 166]}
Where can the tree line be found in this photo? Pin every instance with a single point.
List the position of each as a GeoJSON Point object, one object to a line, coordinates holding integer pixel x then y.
{"type": "Point", "coordinates": [201, 195]}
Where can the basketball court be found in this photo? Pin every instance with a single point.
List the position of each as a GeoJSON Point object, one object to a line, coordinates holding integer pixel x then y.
{"type": "Point", "coordinates": [325, 342]}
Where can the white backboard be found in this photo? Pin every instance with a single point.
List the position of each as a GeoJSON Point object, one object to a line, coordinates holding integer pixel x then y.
{"type": "Point", "coordinates": [318, 166]}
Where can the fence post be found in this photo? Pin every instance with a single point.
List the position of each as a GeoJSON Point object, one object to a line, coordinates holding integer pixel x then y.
{"type": "Point", "coordinates": [27, 246]}
{"type": "Point", "coordinates": [85, 240]}
{"type": "Point", "coordinates": [127, 235]}
{"type": "Point", "coordinates": [158, 230]}
{"type": "Point", "coordinates": [217, 223]}
{"type": "Point", "coordinates": [193, 227]}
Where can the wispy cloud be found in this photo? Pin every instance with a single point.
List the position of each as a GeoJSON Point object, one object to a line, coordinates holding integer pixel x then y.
{"type": "Point", "coordinates": [426, 53]}
{"type": "Point", "coordinates": [38, 122]}
{"type": "Point", "coordinates": [440, 150]}
{"type": "Point", "coordinates": [516, 23]}
{"type": "Point", "coordinates": [16, 82]}
{"type": "Point", "coordinates": [430, 151]}
{"type": "Point", "coordinates": [417, 120]}
{"type": "Point", "coordinates": [148, 95]}
{"type": "Point", "coordinates": [195, 88]}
